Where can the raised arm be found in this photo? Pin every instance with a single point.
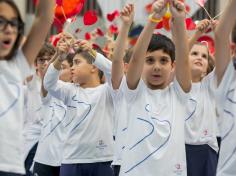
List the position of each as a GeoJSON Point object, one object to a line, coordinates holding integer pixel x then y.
{"type": "Point", "coordinates": [183, 73]}
{"type": "Point", "coordinates": [39, 30]}
{"type": "Point", "coordinates": [140, 49]}
{"type": "Point", "coordinates": [222, 43]}
{"type": "Point", "coordinates": [127, 15]}
{"type": "Point", "coordinates": [201, 28]}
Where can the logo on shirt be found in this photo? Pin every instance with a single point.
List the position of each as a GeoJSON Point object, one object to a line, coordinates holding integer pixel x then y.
{"type": "Point", "coordinates": [178, 169]}
{"type": "Point", "coordinates": [101, 145]}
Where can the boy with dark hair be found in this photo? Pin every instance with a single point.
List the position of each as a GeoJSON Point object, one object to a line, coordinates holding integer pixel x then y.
{"type": "Point", "coordinates": [155, 121]}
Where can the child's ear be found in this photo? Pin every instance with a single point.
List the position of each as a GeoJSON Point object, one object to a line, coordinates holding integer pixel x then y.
{"type": "Point", "coordinates": [173, 64]}
{"type": "Point", "coordinates": [94, 69]}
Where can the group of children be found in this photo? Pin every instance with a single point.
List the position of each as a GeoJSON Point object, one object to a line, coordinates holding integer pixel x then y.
{"type": "Point", "coordinates": [157, 109]}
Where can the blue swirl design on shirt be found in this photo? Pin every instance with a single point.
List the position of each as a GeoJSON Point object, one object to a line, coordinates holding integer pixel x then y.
{"type": "Point", "coordinates": [232, 116]}
{"type": "Point", "coordinates": [13, 102]}
{"type": "Point", "coordinates": [194, 110]}
{"type": "Point", "coordinates": [86, 114]}
{"type": "Point", "coordinates": [52, 129]}
{"type": "Point", "coordinates": [150, 125]}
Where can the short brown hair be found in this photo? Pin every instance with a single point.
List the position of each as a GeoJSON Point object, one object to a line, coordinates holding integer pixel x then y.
{"type": "Point", "coordinates": [46, 50]}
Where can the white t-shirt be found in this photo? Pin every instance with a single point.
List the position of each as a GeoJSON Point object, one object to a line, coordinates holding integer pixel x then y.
{"type": "Point", "coordinates": [155, 142]}
{"type": "Point", "coordinates": [12, 75]}
{"type": "Point", "coordinates": [33, 121]}
{"type": "Point", "coordinates": [201, 125]}
{"type": "Point", "coordinates": [90, 136]}
{"type": "Point", "coordinates": [120, 126]}
{"type": "Point", "coordinates": [53, 133]}
{"type": "Point", "coordinates": [226, 104]}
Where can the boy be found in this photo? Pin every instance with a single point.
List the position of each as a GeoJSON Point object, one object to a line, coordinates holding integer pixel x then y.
{"type": "Point", "coordinates": [226, 94]}
{"type": "Point", "coordinates": [156, 114]}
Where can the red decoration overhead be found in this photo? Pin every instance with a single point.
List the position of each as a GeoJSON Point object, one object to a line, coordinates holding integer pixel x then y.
{"type": "Point", "coordinates": [113, 29]}
{"type": "Point", "coordinates": [113, 15]}
{"type": "Point", "coordinates": [68, 8]}
{"type": "Point", "coordinates": [99, 32]}
{"type": "Point", "coordinates": [87, 36]}
{"type": "Point", "coordinates": [90, 17]}
{"type": "Point", "coordinates": [190, 24]}
{"type": "Point", "coordinates": [209, 42]}
{"type": "Point", "coordinates": [59, 2]}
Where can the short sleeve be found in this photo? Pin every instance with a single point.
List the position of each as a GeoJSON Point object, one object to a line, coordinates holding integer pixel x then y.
{"type": "Point", "coordinates": [131, 95]}
{"type": "Point", "coordinates": [183, 96]}
{"type": "Point", "coordinates": [227, 80]}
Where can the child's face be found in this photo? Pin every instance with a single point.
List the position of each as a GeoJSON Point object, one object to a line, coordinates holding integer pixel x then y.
{"type": "Point", "coordinates": [42, 63]}
{"type": "Point", "coordinates": [65, 74]}
{"type": "Point", "coordinates": [199, 60]}
{"type": "Point", "coordinates": [157, 69]}
{"type": "Point", "coordinates": [81, 70]}
{"type": "Point", "coordinates": [8, 29]}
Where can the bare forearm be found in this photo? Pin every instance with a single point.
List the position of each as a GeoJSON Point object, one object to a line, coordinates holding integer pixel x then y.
{"type": "Point", "coordinates": [183, 73]}
{"type": "Point", "coordinates": [117, 59]}
{"type": "Point", "coordinates": [137, 61]}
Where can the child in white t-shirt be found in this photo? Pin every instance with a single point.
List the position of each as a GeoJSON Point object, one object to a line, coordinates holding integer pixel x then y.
{"type": "Point", "coordinates": [200, 125]}
{"type": "Point", "coordinates": [225, 94]}
{"type": "Point", "coordinates": [14, 68]}
{"type": "Point", "coordinates": [119, 68]}
{"type": "Point", "coordinates": [33, 104]}
{"type": "Point", "coordinates": [88, 148]}
{"type": "Point", "coordinates": [155, 130]}
{"type": "Point", "coordinates": [56, 121]}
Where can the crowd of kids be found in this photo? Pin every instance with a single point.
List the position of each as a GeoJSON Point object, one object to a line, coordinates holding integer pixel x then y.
{"type": "Point", "coordinates": [164, 107]}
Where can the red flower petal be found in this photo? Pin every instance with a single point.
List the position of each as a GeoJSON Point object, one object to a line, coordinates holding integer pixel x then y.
{"type": "Point", "coordinates": [209, 42]}
{"type": "Point", "coordinates": [87, 36]}
{"type": "Point", "coordinates": [59, 2]}
{"type": "Point", "coordinates": [166, 23]}
{"type": "Point", "coordinates": [70, 7]}
{"type": "Point", "coordinates": [190, 24]}
{"type": "Point", "coordinates": [99, 32]}
{"type": "Point", "coordinates": [148, 8]}
{"type": "Point", "coordinates": [90, 17]}
{"type": "Point", "coordinates": [159, 25]}
{"type": "Point", "coordinates": [113, 29]}
{"type": "Point", "coordinates": [113, 15]}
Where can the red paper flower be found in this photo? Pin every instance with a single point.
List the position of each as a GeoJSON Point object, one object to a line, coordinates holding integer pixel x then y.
{"type": "Point", "coordinates": [87, 36]}
{"type": "Point", "coordinates": [209, 42]}
{"type": "Point", "coordinates": [190, 24]}
{"type": "Point", "coordinates": [59, 2]}
{"type": "Point", "coordinates": [70, 8]}
{"type": "Point", "coordinates": [113, 15]}
{"type": "Point", "coordinates": [99, 32]}
{"type": "Point", "coordinates": [90, 17]}
{"type": "Point", "coordinates": [113, 29]}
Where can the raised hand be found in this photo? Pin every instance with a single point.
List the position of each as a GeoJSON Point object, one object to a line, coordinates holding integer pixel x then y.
{"type": "Point", "coordinates": [127, 14]}
{"type": "Point", "coordinates": [159, 8]}
{"type": "Point", "coordinates": [203, 26]}
{"type": "Point", "coordinates": [177, 9]}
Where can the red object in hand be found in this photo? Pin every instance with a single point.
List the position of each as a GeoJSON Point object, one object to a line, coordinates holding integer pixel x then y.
{"type": "Point", "coordinates": [90, 17]}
